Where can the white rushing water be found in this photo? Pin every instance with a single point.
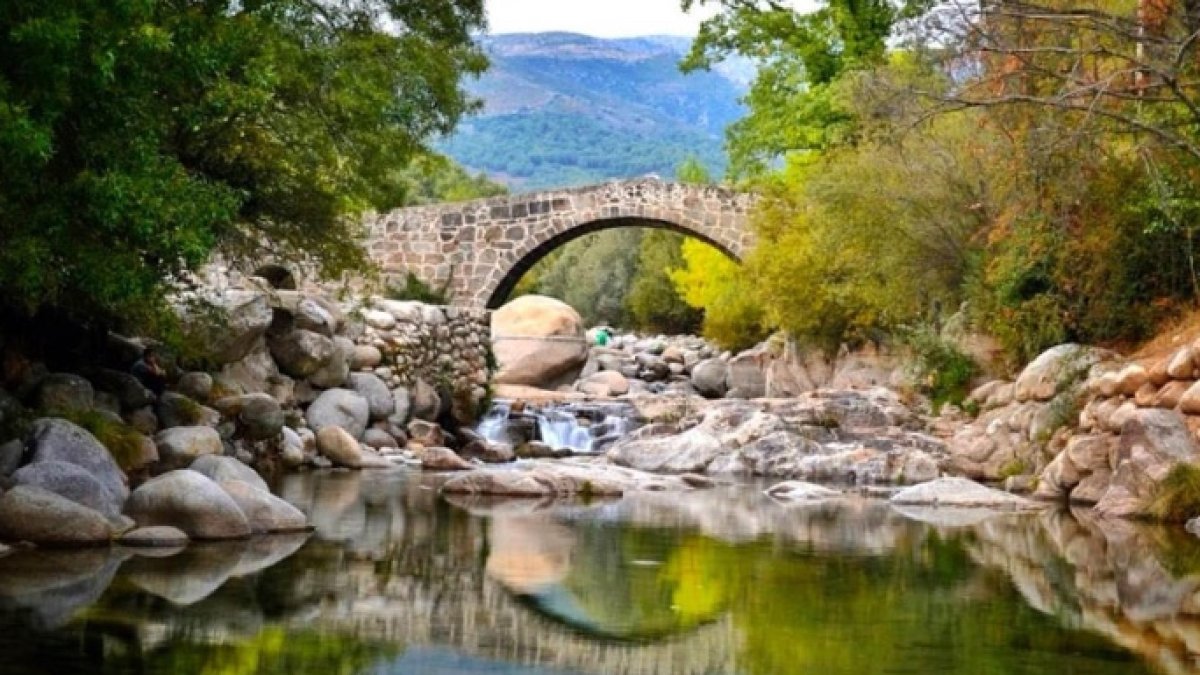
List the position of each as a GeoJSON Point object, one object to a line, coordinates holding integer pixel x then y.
{"type": "Point", "coordinates": [558, 426]}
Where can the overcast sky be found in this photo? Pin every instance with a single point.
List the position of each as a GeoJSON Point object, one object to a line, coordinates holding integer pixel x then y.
{"type": "Point", "coordinates": [601, 18]}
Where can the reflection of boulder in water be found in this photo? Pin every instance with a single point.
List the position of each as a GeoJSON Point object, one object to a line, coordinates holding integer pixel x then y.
{"type": "Point", "coordinates": [593, 578]}
{"type": "Point", "coordinates": [1136, 584]}
{"type": "Point", "coordinates": [263, 552]}
{"type": "Point", "coordinates": [189, 577]}
{"type": "Point", "coordinates": [528, 553]}
{"type": "Point", "coordinates": [52, 585]}
{"type": "Point", "coordinates": [201, 569]}
{"type": "Point", "coordinates": [949, 516]}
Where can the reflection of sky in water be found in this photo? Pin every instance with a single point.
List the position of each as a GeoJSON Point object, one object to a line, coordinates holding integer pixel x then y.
{"type": "Point", "coordinates": [436, 661]}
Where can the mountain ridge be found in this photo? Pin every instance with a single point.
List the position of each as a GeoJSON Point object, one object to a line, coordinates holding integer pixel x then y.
{"type": "Point", "coordinates": [563, 109]}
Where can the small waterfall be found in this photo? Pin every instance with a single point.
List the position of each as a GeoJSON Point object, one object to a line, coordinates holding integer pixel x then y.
{"type": "Point", "coordinates": [583, 428]}
{"type": "Point", "coordinates": [494, 424]}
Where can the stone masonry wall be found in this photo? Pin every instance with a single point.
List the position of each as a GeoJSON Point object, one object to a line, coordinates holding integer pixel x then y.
{"type": "Point", "coordinates": [445, 347]}
{"type": "Point", "coordinates": [475, 249]}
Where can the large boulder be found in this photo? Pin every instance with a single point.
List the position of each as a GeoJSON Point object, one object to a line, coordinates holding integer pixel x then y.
{"type": "Point", "coordinates": [189, 501]}
{"type": "Point", "coordinates": [264, 511]}
{"type": "Point", "coordinates": [72, 482]}
{"type": "Point", "coordinates": [443, 459]}
{"type": "Point", "coordinates": [689, 452]}
{"type": "Point", "coordinates": [244, 317]}
{"type": "Point", "coordinates": [221, 469]}
{"type": "Point", "coordinates": [177, 410]}
{"type": "Point", "coordinates": [1056, 369]}
{"type": "Point", "coordinates": [131, 394]}
{"type": "Point", "coordinates": [158, 536]}
{"type": "Point", "coordinates": [424, 403]}
{"type": "Point", "coordinates": [29, 513]}
{"type": "Point", "coordinates": [64, 392]}
{"type": "Point", "coordinates": [335, 371]}
{"type": "Point", "coordinates": [800, 491]}
{"type": "Point", "coordinates": [538, 341]}
{"type": "Point", "coordinates": [312, 316]}
{"type": "Point", "coordinates": [57, 440]}
{"type": "Point", "coordinates": [256, 372]}
{"type": "Point", "coordinates": [10, 456]}
{"type": "Point", "coordinates": [197, 385]}
{"type": "Point", "coordinates": [710, 376]}
{"type": "Point", "coordinates": [339, 447]}
{"type": "Point", "coordinates": [339, 408]}
{"type": "Point", "coordinates": [604, 383]}
{"type": "Point", "coordinates": [403, 408]}
{"type": "Point", "coordinates": [380, 403]}
{"type": "Point", "coordinates": [1152, 442]}
{"type": "Point", "coordinates": [178, 447]}
{"type": "Point", "coordinates": [747, 377]}
{"type": "Point", "coordinates": [301, 353]}
{"type": "Point", "coordinates": [259, 416]}
{"type": "Point", "coordinates": [960, 492]}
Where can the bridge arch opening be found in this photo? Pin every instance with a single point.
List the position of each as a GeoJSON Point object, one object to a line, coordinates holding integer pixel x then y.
{"type": "Point", "coordinates": [504, 288]}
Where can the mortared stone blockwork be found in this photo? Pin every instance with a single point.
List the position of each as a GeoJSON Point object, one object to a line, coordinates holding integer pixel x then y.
{"type": "Point", "coordinates": [479, 249]}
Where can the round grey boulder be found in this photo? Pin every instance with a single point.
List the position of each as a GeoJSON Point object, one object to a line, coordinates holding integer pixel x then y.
{"type": "Point", "coordinates": [709, 377]}
{"type": "Point", "coordinates": [311, 316]}
{"type": "Point", "coordinates": [379, 439]}
{"type": "Point", "coordinates": [64, 392]}
{"type": "Point", "coordinates": [334, 372]}
{"type": "Point", "coordinates": [178, 447]}
{"type": "Point", "coordinates": [159, 536]}
{"type": "Point", "coordinates": [221, 469]}
{"type": "Point", "coordinates": [301, 353]}
{"type": "Point", "coordinates": [57, 440]}
{"type": "Point", "coordinates": [71, 482]}
{"type": "Point", "coordinates": [29, 513]}
{"type": "Point", "coordinates": [189, 501]}
{"type": "Point", "coordinates": [380, 404]}
{"type": "Point", "coordinates": [259, 416]}
{"type": "Point", "coordinates": [176, 410]}
{"type": "Point", "coordinates": [339, 408]}
{"type": "Point", "coordinates": [195, 385]}
{"type": "Point", "coordinates": [264, 511]}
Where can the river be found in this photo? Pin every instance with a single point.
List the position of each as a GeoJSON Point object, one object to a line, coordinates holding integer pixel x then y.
{"type": "Point", "coordinates": [397, 579]}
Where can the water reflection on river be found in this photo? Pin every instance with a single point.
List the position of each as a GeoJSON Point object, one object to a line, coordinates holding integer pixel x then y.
{"type": "Point", "coordinates": [398, 580]}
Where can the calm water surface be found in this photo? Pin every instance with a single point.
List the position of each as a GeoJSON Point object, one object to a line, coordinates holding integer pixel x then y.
{"type": "Point", "coordinates": [398, 580]}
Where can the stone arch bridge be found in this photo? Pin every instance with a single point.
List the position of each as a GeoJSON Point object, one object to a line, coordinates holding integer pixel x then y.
{"type": "Point", "coordinates": [478, 250]}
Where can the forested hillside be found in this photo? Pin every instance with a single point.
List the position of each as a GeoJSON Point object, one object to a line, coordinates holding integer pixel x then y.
{"type": "Point", "coordinates": [565, 109]}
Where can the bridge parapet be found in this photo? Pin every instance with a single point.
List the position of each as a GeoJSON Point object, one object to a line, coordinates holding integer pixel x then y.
{"type": "Point", "coordinates": [479, 249]}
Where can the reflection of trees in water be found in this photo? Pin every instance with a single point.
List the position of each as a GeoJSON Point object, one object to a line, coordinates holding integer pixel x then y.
{"type": "Point", "coordinates": [700, 582]}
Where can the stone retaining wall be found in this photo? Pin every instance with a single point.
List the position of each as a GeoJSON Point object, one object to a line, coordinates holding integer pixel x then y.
{"type": "Point", "coordinates": [446, 347]}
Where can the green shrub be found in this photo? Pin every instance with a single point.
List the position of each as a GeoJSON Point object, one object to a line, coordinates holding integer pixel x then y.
{"type": "Point", "coordinates": [943, 371]}
{"type": "Point", "coordinates": [1177, 497]}
{"type": "Point", "coordinates": [414, 288]}
{"type": "Point", "coordinates": [1014, 467]}
{"type": "Point", "coordinates": [122, 441]}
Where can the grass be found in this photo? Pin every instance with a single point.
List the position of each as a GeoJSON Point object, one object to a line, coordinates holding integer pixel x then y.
{"type": "Point", "coordinates": [1014, 467]}
{"type": "Point", "coordinates": [122, 441]}
{"type": "Point", "coordinates": [1177, 497]}
{"type": "Point", "coordinates": [414, 288]}
{"type": "Point", "coordinates": [190, 412]}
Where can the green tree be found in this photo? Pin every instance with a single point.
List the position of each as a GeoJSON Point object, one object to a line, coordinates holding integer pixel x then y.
{"type": "Point", "coordinates": [141, 137]}
{"type": "Point", "coordinates": [801, 54]}
{"type": "Point", "coordinates": [653, 301]}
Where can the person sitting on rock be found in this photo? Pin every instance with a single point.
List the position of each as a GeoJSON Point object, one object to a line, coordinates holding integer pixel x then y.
{"type": "Point", "coordinates": [150, 372]}
{"type": "Point", "coordinates": [602, 337]}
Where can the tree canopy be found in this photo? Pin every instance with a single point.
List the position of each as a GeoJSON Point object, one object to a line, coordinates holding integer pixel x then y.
{"type": "Point", "coordinates": [140, 137]}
